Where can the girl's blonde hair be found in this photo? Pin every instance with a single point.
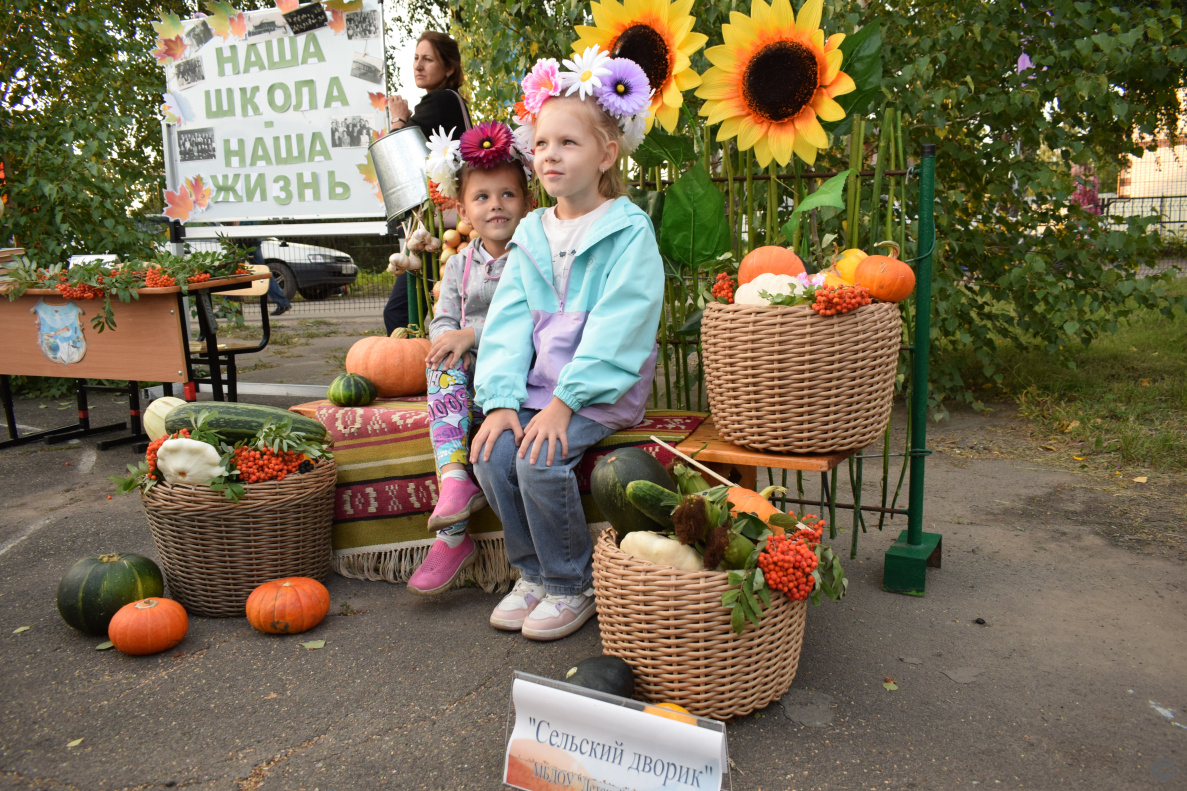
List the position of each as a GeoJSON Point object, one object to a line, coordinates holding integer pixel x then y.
{"type": "Point", "coordinates": [606, 129]}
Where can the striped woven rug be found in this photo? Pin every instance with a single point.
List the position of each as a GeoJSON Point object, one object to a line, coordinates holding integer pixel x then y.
{"type": "Point", "coordinates": [387, 487]}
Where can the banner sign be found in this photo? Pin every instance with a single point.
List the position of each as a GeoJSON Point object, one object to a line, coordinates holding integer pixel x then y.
{"type": "Point", "coordinates": [574, 739]}
{"type": "Point", "coordinates": [270, 112]}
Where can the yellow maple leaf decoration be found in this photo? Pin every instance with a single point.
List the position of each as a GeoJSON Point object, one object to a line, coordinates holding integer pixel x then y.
{"type": "Point", "coordinates": [344, 5]}
{"type": "Point", "coordinates": [220, 18]}
{"type": "Point", "coordinates": [368, 171]}
{"type": "Point", "coordinates": [169, 26]}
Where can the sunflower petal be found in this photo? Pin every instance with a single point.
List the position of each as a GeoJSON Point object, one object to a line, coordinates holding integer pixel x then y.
{"type": "Point", "coordinates": [687, 80]}
{"type": "Point", "coordinates": [781, 139]}
{"type": "Point", "coordinates": [680, 27]}
{"type": "Point", "coordinates": [782, 17]}
{"type": "Point", "coordinates": [692, 42]}
{"type": "Point", "coordinates": [804, 150]}
{"type": "Point", "coordinates": [833, 58]}
{"type": "Point", "coordinates": [744, 29]}
{"type": "Point", "coordinates": [834, 41]}
{"type": "Point", "coordinates": [760, 12]}
{"type": "Point", "coordinates": [680, 8]}
{"type": "Point", "coordinates": [723, 110]}
{"type": "Point", "coordinates": [590, 37]}
{"type": "Point", "coordinates": [826, 108]}
{"type": "Point", "coordinates": [762, 151]}
{"type": "Point", "coordinates": [717, 84]}
{"type": "Point", "coordinates": [817, 39]}
{"type": "Point", "coordinates": [809, 17]}
{"type": "Point", "coordinates": [672, 95]}
{"type": "Point", "coordinates": [730, 128]}
{"type": "Point", "coordinates": [750, 133]}
{"type": "Point", "coordinates": [842, 84]}
{"type": "Point", "coordinates": [682, 62]}
{"type": "Point", "coordinates": [667, 117]}
{"type": "Point", "coordinates": [613, 14]}
{"type": "Point", "coordinates": [807, 127]}
{"type": "Point", "coordinates": [723, 57]}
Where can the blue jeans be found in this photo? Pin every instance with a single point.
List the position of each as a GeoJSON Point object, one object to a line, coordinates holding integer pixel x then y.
{"type": "Point", "coordinates": [276, 296]}
{"type": "Point", "coordinates": [544, 525]}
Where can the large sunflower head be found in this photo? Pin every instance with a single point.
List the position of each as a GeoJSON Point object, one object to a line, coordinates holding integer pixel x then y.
{"type": "Point", "coordinates": [774, 80]}
{"type": "Point", "coordinates": [658, 36]}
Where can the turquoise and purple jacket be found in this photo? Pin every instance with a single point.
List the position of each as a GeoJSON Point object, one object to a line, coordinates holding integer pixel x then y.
{"type": "Point", "coordinates": [589, 341]}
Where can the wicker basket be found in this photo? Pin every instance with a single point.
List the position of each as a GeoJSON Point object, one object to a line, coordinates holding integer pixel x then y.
{"type": "Point", "coordinates": [214, 552]}
{"type": "Point", "coordinates": [787, 380]}
{"type": "Point", "coordinates": [670, 627]}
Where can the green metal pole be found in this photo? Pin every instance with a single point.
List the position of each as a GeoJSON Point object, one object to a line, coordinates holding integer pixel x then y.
{"type": "Point", "coordinates": [919, 388]}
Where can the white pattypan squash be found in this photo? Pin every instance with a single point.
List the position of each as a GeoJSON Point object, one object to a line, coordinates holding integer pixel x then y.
{"type": "Point", "coordinates": [769, 282]}
{"type": "Point", "coordinates": [189, 461]}
{"type": "Point", "coordinates": [645, 545]}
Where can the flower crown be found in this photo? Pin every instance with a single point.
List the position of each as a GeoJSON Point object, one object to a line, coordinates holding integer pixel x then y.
{"type": "Point", "coordinates": [618, 85]}
{"type": "Point", "coordinates": [486, 145]}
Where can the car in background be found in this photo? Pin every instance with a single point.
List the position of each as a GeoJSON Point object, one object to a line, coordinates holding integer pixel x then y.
{"type": "Point", "coordinates": [312, 271]}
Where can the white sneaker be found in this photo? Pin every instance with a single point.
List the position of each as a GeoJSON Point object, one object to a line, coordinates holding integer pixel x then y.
{"type": "Point", "coordinates": [559, 616]}
{"type": "Point", "coordinates": [517, 605]}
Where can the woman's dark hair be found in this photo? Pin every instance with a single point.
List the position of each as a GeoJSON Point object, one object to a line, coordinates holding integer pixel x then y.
{"type": "Point", "coordinates": [450, 55]}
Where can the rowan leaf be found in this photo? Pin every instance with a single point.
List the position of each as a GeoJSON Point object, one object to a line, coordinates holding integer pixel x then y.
{"type": "Point", "coordinates": [105, 645]}
{"type": "Point", "coordinates": [313, 645]}
{"type": "Point", "coordinates": [73, 743]}
{"type": "Point", "coordinates": [20, 629]}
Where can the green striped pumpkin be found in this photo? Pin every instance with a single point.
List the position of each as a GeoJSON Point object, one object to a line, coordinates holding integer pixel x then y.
{"type": "Point", "coordinates": [94, 589]}
{"type": "Point", "coordinates": [351, 390]}
{"type": "Point", "coordinates": [236, 421]}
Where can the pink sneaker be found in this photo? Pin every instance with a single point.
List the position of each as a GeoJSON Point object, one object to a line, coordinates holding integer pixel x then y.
{"type": "Point", "coordinates": [458, 500]}
{"type": "Point", "coordinates": [517, 605]}
{"type": "Point", "coordinates": [559, 616]}
{"type": "Point", "coordinates": [442, 566]}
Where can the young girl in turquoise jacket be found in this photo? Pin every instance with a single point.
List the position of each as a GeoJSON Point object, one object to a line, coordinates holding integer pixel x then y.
{"type": "Point", "coordinates": [569, 350]}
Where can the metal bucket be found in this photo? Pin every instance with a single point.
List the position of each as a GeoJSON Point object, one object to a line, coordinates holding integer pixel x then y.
{"type": "Point", "coordinates": [399, 159]}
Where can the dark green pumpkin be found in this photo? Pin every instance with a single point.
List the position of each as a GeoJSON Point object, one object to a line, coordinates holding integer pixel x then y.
{"type": "Point", "coordinates": [609, 481]}
{"type": "Point", "coordinates": [608, 674]}
{"type": "Point", "coordinates": [351, 390]}
{"type": "Point", "coordinates": [94, 589]}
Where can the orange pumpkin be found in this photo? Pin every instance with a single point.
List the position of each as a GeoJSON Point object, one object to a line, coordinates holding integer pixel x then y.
{"type": "Point", "coordinates": [772, 258]}
{"type": "Point", "coordinates": [887, 278]}
{"type": "Point", "coordinates": [671, 711]}
{"type": "Point", "coordinates": [148, 626]}
{"type": "Point", "coordinates": [751, 502]}
{"type": "Point", "coordinates": [395, 364]}
{"type": "Point", "coordinates": [288, 606]}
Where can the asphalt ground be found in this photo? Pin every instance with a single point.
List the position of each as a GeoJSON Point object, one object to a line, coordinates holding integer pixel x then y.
{"type": "Point", "coordinates": [1075, 679]}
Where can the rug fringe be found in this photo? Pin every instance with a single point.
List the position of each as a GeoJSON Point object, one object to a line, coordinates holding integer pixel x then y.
{"type": "Point", "coordinates": [490, 571]}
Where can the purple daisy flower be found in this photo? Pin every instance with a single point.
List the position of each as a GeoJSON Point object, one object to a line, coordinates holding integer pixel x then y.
{"type": "Point", "coordinates": [626, 91]}
{"type": "Point", "coordinates": [486, 145]}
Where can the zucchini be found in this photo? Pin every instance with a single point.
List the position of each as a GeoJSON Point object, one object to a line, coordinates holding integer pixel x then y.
{"type": "Point", "coordinates": [654, 501]}
{"type": "Point", "coordinates": [237, 421]}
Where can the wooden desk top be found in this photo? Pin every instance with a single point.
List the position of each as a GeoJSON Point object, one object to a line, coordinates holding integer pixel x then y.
{"type": "Point", "coordinates": [221, 284]}
{"type": "Point", "coordinates": [718, 450]}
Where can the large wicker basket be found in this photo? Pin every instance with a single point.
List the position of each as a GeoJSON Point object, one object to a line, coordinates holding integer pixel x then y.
{"type": "Point", "coordinates": [787, 380]}
{"type": "Point", "coordinates": [214, 552]}
{"type": "Point", "coordinates": [670, 627]}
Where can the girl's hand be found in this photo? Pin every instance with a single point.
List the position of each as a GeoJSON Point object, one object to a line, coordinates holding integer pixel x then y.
{"type": "Point", "coordinates": [551, 425]}
{"type": "Point", "coordinates": [449, 347]}
{"type": "Point", "coordinates": [497, 421]}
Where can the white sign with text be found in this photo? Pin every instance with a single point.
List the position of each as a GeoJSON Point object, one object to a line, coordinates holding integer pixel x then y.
{"type": "Point", "coordinates": [574, 739]}
{"type": "Point", "coordinates": [271, 114]}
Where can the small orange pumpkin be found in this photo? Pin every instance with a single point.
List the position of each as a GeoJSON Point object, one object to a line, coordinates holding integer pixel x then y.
{"type": "Point", "coordinates": [751, 502]}
{"type": "Point", "coordinates": [886, 277]}
{"type": "Point", "coordinates": [772, 258]}
{"type": "Point", "coordinates": [288, 606]}
{"type": "Point", "coordinates": [395, 364]}
{"type": "Point", "coordinates": [671, 711]}
{"type": "Point", "coordinates": [148, 626]}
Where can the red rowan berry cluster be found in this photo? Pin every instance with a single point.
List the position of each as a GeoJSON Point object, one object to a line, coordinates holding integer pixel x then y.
{"type": "Point", "coordinates": [723, 288]}
{"type": "Point", "coordinates": [155, 445]}
{"type": "Point", "coordinates": [155, 278]}
{"type": "Point", "coordinates": [787, 564]}
{"type": "Point", "coordinates": [81, 291]}
{"type": "Point", "coordinates": [265, 465]}
{"type": "Point", "coordinates": [831, 300]}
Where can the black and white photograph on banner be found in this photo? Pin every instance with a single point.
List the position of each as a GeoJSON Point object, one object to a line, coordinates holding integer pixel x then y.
{"type": "Point", "coordinates": [306, 18]}
{"type": "Point", "coordinates": [189, 72]}
{"type": "Point", "coordinates": [350, 131]}
{"type": "Point", "coordinates": [367, 68]}
{"type": "Point", "coordinates": [199, 34]}
{"type": "Point", "coordinates": [270, 25]}
{"type": "Point", "coordinates": [196, 144]}
{"type": "Point", "coordinates": [362, 24]}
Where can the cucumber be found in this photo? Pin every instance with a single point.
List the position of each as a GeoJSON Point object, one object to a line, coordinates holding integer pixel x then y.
{"type": "Point", "coordinates": [236, 421]}
{"type": "Point", "coordinates": [654, 501]}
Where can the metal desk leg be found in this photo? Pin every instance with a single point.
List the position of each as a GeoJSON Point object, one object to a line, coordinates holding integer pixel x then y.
{"type": "Point", "coordinates": [210, 336]}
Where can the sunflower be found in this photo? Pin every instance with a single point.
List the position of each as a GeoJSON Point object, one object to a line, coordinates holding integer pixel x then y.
{"type": "Point", "coordinates": [774, 80]}
{"type": "Point", "coordinates": [656, 35]}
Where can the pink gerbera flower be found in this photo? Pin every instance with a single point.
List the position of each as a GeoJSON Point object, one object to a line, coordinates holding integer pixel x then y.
{"type": "Point", "coordinates": [541, 83]}
{"type": "Point", "coordinates": [486, 145]}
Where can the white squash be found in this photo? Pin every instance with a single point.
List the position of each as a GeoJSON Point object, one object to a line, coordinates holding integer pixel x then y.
{"type": "Point", "coordinates": [652, 547]}
{"type": "Point", "coordinates": [189, 461]}
{"type": "Point", "coordinates": [769, 282]}
{"type": "Point", "coordinates": [153, 419]}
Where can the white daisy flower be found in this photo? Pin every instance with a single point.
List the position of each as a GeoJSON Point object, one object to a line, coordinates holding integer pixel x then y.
{"type": "Point", "coordinates": [634, 129]}
{"type": "Point", "coordinates": [585, 72]}
{"type": "Point", "coordinates": [444, 155]}
{"type": "Point", "coordinates": [525, 141]}
{"type": "Point", "coordinates": [447, 186]}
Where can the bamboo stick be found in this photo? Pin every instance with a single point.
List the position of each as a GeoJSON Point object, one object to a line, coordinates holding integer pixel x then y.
{"type": "Point", "coordinates": [692, 461]}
